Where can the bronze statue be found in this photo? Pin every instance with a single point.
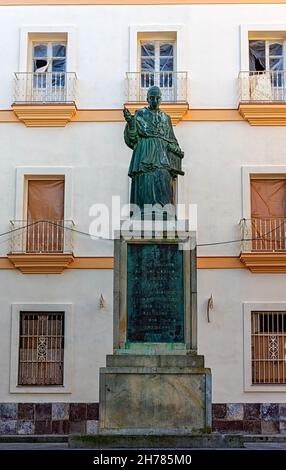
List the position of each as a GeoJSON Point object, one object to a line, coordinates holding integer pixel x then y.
{"type": "Point", "coordinates": [156, 159]}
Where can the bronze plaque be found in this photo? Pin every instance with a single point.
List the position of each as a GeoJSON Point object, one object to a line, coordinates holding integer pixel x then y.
{"type": "Point", "coordinates": [155, 293]}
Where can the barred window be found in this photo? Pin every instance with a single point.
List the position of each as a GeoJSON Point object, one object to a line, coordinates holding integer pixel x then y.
{"type": "Point", "coordinates": [268, 346]}
{"type": "Point", "coordinates": [41, 348]}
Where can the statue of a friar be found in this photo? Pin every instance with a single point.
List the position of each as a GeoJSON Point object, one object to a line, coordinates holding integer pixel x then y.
{"type": "Point", "coordinates": [157, 156]}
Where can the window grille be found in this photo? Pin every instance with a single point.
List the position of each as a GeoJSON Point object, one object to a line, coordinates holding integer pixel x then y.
{"type": "Point", "coordinates": [41, 348]}
{"type": "Point", "coordinates": [268, 346]}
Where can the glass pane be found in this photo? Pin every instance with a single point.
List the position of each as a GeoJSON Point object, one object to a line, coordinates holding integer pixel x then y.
{"type": "Point", "coordinates": [166, 49]}
{"type": "Point", "coordinates": [166, 80]}
{"type": "Point", "coordinates": [257, 55]}
{"type": "Point", "coordinates": [59, 65]}
{"type": "Point", "coordinates": [276, 64]}
{"type": "Point", "coordinates": [147, 65]}
{"type": "Point", "coordinates": [59, 50]}
{"type": "Point", "coordinates": [166, 64]}
{"type": "Point", "coordinates": [147, 80]}
{"type": "Point", "coordinates": [40, 50]}
{"type": "Point", "coordinates": [276, 49]}
{"type": "Point", "coordinates": [147, 50]}
{"type": "Point", "coordinates": [58, 79]}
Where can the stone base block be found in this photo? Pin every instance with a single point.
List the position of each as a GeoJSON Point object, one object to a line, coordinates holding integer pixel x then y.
{"type": "Point", "coordinates": [155, 392]}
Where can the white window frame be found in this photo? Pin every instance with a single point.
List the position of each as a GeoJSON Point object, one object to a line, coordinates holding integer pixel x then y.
{"type": "Point", "coordinates": [248, 308]}
{"type": "Point", "coordinates": [17, 308]}
{"type": "Point", "coordinates": [268, 43]}
{"type": "Point", "coordinates": [247, 29]}
{"type": "Point", "coordinates": [157, 43]}
{"type": "Point", "coordinates": [49, 44]}
{"type": "Point", "coordinates": [182, 52]}
{"type": "Point", "coordinates": [30, 33]}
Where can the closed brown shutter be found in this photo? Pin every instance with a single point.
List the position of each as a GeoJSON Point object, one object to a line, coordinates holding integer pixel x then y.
{"type": "Point", "coordinates": [268, 213]}
{"type": "Point", "coordinates": [46, 207]}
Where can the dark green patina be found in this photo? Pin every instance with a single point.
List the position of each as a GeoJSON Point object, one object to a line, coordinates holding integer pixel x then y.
{"type": "Point", "coordinates": [155, 293]}
{"type": "Point", "coordinates": [156, 159]}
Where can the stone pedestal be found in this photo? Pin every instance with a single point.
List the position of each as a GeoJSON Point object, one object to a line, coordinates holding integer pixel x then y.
{"type": "Point", "coordinates": [159, 392]}
{"type": "Point", "coordinates": [155, 380]}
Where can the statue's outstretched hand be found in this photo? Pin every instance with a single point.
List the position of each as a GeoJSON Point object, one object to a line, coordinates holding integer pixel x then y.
{"type": "Point", "coordinates": [128, 117]}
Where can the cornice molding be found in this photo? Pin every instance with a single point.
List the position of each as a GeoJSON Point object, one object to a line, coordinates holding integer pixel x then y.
{"type": "Point", "coordinates": [264, 114]}
{"type": "Point", "coordinates": [41, 264]}
{"type": "Point", "coordinates": [272, 263]}
{"type": "Point", "coordinates": [47, 115]}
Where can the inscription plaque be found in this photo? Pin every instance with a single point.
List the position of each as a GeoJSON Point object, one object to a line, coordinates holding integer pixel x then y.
{"type": "Point", "coordinates": [155, 293]}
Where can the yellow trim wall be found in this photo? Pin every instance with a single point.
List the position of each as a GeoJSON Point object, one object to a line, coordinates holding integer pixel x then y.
{"type": "Point", "coordinates": [115, 115]}
{"type": "Point", "coordinates": [98, 262]}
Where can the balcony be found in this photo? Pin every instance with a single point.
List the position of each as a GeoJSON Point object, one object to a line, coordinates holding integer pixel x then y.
{"type": "Point", "coordinates": [262, 97]}
{"type": "Point", "coordinates": [263, 248]}
{"type": "Point", "coordinates": [41, 246]}
{"type": "Point", "coordinates": [45, 99]}
{"type": "Point", "coordinates": [173, 86]}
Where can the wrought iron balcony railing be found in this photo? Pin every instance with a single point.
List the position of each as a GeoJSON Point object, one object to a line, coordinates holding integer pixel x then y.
{"type": "Point", "coordinates": [173, 86]}
{"type": "Point", "coordinates": [42, 236]}
{"type": "Point", "coordinates": [45, 87]}
{"type": "Point", "coordinates": [263, 234]}
{"type": "Point", "coordinates": [266, 86]}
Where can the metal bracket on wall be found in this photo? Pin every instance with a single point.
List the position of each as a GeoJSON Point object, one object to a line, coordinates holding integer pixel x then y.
{"type": "Point", "coordinates": [210, 307]}
{"type": "Point", "coordinates": [101, 301]}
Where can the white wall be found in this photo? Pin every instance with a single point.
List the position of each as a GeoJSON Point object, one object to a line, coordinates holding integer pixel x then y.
{"type": "Point", "coordinates": [212, 48]}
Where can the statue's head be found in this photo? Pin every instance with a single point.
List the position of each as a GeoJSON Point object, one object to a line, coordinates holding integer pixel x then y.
{"type": "Point", "coordinates": [154, 97]}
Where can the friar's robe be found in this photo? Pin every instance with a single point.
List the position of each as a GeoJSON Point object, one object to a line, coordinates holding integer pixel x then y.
{"type": "Point", "coordinates": [156, 158]}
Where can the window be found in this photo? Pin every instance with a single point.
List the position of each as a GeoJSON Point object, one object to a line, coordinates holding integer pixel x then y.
{"type": "Point", "coordinates": [268, 347]}
{"type": "Point", "coordinates": [266, 55]}
{"type": "Point", "coordinates": [157, 66]}
{"type": "Point", "coordinates": [49, 67]}
{"type": "Point", "coordinates": [49, 57]}
{"type": "Point", "coordinates": [157, 57]}
{"type": "Point", "coordinates": [45, 365]}
{"type": "Point", "coordinates": [45, 215]}
{"type": "Point", "coordinates": [46, 75]}
{"type": "Point", "coordinates": [266, 62]}
{"type": "Point", "coordinates": [41, 348]}
{"type": "Point", "coordinates": [268, 214]}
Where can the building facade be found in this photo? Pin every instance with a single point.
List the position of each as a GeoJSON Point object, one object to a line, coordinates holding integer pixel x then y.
{"type": "Point", "coordinates": [67, 70]}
